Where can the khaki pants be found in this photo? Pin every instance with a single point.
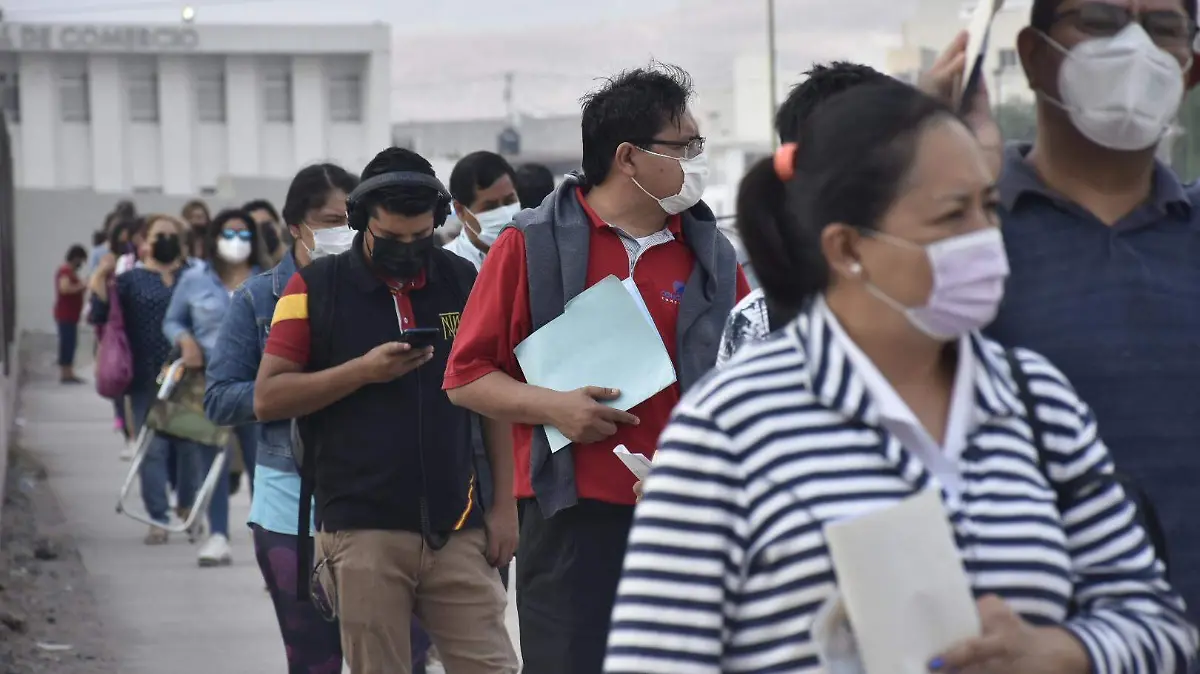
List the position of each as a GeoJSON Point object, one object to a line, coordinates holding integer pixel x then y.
{"type": "Point", "coordinates": [378, 579]}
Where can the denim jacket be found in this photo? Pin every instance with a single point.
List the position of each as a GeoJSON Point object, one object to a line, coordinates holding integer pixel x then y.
{"type": "Point", "coordinates": [233, 364]}
{"type": "Point", "coordinates": [198, 307]}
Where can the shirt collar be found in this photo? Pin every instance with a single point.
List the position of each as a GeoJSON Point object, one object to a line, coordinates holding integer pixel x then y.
{"type": "Point", "coordinates": [1019, 180]}
{"type": "Point", "coordinates": [282, 273]}
{"type": "Point", "coordinates": [368, 280]}
{"type": "Point", "coordinates": [674, 222]}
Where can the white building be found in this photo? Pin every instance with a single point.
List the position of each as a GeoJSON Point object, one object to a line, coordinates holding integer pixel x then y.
{"type": "Point", "coordinates": [934, 25]}
{"type": "Point", "coordinates": [175, 109]}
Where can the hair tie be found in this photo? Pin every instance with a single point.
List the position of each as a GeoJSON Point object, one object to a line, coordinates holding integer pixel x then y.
{"type": "Point", "coordinates": [785, 161]}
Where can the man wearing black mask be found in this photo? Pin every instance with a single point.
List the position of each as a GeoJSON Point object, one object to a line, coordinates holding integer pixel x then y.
{"type": "Point", "coordinates": [358, 348]}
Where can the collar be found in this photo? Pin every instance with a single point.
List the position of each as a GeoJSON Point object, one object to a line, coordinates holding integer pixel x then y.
{"type": "Point", "coordinates": [368, 280]}
{"type": "Point", "coordinates": [674, 222]}
{"type": "Point", "coordinates": [1019, 180]}
{"type": "Point", "coordinates": [841, 386]}
{"type": "Point", "coordinates": [282, 273]}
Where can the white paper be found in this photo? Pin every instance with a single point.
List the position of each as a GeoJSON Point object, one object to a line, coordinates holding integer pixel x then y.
{"type": "Point", "coordinates": [636, 294]}
{"type": "Point", "coordinates": [601, 339]}
{"type": "Point", "coordinates": [979, 28]}
{"type": "Point", "coordinates": [834, 639]}
{"type": "Point", "coordinates": [638, 464]}
{"type": "Point", "coordinates": [903, 584]}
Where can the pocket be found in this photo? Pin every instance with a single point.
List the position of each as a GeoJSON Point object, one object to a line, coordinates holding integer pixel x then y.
{"type": "Point", "coordinates": [276, 439]}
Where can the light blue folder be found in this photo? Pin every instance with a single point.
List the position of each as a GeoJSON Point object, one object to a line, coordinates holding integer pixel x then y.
{"type": "Point", "coordinates": [601, 339]}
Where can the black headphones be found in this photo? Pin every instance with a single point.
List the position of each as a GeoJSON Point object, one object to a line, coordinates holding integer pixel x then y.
{"type": "Point", "coordinates": [357, 215]}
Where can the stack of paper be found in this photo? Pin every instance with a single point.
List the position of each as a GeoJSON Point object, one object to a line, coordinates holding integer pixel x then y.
{"type": "Point", "coordinates": [638, 464]}
{"type": "Point", "coordinates": [603, 339]}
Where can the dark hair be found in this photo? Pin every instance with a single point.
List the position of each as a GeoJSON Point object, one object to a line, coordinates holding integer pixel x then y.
{"type": "Point", "coordinates": [633, 105]}
{"type": "Point", "coordinates": [311, 187]}
{"type": "Point", "coordinates": [194, 204]}
{"type": "Point", "coordinates": [534, 183]}
{"type": "Point", "coordinates": [408, 200]}
{"type": "Point", "coordinates": [1043, 13]}
{"type": "Point", "coordinates": [125, 209]}
{"type": "Point", "coordinates": [99, 238]}
{"type": "Point", "coordinates": [76, 252]}
{"type": "Point", "coordinates": [854, 154]}
{"type": "Point", "coordinates": [214, 229]}
{"type": "Point", "coordinates": [127, 227]}
{"type": "Point", "coordinates": [261, 205]}
{"type": "Point", "coordinates": [478, 171]}
{"type": "Point", "coordinates": [820, 84]}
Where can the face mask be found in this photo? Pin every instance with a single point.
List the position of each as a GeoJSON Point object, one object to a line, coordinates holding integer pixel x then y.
{"type": "Point", "coordinates": [400, 259]}
{"type": "Point", "coordinates": [968, 283]}
{"type": "Point", "coordinates": [333, 241]}
{"type": "Point", "coordinates": [233, 251]}
{"type": "Point", "coordinates": [695, 179]}
{"type": "Point", "coordinates": [492, 222]}
{"type": "Point", "coordinates": [270, 236]}
{"type": "Point", "coordinates": [1120, 92]}
{"type": "Point", "coordinates": [166, 248]}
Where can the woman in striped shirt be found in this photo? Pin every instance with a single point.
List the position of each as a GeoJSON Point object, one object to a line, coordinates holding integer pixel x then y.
{"type": "Point", "coordinates": [882, 224]}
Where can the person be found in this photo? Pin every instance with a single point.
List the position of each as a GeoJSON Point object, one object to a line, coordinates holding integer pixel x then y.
{"type": "Point", "coordinates": [635, 214]}
{"type": "Point", "coordinates": [402, 529]}
{"type": "Point", "coordinates": [1098, 233]}
{"type": "Point", "coordinates": [193, 323]}
{"type": "Point", "coordinates": [754, 317]}
{"type": "Point", "coordinates": [124, 240]}
{"type": "Point", "coordinates": [68, 305]}
{"type": "Point", "coordinates": [535, 182]}
{"type": "Point", "coordinates": [267, 219]}
{"type": "Point", "coordinates": [196, 214]}
{"type": "Point", "coordinates": [484, 187]}
{"type": "Point", "coordinates": [315, 213]}
{"type": "Point", "coordinates": [144, 293]}
{"type": "Point", "coordinates": [881, 223]}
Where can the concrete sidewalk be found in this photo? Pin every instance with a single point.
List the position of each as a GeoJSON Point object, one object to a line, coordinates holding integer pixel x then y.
{"type": "Point", "coordinates": [162, 612]}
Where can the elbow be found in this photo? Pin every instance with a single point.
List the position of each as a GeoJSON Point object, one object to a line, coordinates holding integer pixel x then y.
{"type": "Point", "coordinates": [461, 397]}
{"type": "Point", "coordinates": [262, 406]}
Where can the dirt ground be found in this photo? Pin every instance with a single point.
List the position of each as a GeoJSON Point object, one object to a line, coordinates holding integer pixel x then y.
{"type": "Point", "coordinates": [48, 616]}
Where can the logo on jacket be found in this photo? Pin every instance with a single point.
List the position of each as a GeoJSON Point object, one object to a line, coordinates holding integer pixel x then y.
{"type": "Point", "coordinates": [675, 294]}
{"type": "Point", "coordinates": [450, 324]}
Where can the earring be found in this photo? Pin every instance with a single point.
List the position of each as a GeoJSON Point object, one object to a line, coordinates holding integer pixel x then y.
{"type": "Point", "coordinates": [855, 268]}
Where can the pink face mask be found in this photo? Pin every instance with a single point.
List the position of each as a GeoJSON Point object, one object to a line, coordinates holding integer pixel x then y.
{"type": "Point", "coordinates": [969, 271]}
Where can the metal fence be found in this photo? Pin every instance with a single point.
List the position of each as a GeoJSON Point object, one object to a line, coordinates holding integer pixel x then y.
{"type": "Point", "coordinates": [8, 245]}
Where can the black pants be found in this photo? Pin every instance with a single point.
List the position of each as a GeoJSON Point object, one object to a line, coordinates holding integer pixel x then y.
{"type": "Point", "coordinates": [567, 574]}
{"type": "Point", "coordinates": [68, 339]}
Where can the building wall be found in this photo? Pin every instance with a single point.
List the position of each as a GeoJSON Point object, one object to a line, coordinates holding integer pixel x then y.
{"type": "Point", "coordinates": [171, 109]}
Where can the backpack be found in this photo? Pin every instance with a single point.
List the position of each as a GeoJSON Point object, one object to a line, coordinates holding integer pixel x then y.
{"type": "Point", "coordinates": [1147, 515]}
{"type": "Point", "coordinates": [321, 279]}
{"type": "Point", "coordinates": [114, 360]}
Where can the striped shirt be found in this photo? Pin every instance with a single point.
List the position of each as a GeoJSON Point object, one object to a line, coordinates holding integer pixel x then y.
{"type": "Point", "coordinates": [726, 564]}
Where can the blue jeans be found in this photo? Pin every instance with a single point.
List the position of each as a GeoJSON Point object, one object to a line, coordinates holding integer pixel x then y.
{"type": "Point", "coordinates": [153, 471]}
{"type": "Point", "coordinates": [247, 436]}
{"type": "Point", "coordinates": [68, 339]}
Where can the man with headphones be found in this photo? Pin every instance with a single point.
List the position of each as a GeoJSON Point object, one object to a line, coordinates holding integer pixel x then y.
{"type": "Point", "coordinates": [357, 349]}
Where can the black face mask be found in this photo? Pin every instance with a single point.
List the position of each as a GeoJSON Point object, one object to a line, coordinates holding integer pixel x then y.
{"type": "Point", "coordinates": [166, 248]}
{"type": "Point", "coordinates": [270, 237]}
{"type": "Point", "coordinates": [400, 259]}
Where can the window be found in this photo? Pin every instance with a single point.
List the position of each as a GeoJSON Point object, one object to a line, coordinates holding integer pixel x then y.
{"type": "Point", "coordinates": [345, 98]}
{"type": "Point", "coordinates": [1008, 59]}
{"type": "Point", "coordinates": [74, 97]}
{"type": "Point", "coordinates": [210, 95]}
{"type": "Point", "coordinates": [142, 80]}
{"type": "Point", "coordinates": [277, 93]}
{"type": "Point", "coordinates": [10, 96]}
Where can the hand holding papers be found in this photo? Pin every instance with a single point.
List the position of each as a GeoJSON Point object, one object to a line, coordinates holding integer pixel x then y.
{"type": "Point", "coordinates": [903, 584]}
{"type": "Point", "coordinates": [601, 339]}
{"type": "Point", "coordinates": [638, 464]}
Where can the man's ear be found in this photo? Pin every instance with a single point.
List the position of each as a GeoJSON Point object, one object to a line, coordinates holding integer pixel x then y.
{"type": "Point", "coordinates": [458, 208]}
{"type": "Point", "coordinates": [623, 160]}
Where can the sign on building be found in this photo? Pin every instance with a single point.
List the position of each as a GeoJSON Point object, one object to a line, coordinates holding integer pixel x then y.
{"type": "Point", "coordinates": [101, 38]}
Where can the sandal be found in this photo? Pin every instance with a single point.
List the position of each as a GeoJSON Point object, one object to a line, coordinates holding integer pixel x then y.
{"type": "Point", "coordinates": [156, 536]}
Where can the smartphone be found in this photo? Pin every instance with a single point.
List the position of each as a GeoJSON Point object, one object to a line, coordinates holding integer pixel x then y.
{"type": "Point", "coordinates": [419, 338]}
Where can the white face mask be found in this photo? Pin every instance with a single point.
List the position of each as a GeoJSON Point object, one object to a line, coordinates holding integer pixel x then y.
{"type": "Point", "coordinates": [695, 179]}
{"type": "Point", "coordinates": [969, 271]}
{"type": "Point", "coordinates": [492, 222]}
{"type": "Point", "coordinates": [330, 241]}
{"type": "Point", "coordinates": [233, 251]}
{"type": "Point", "coordinates": [1121, 92]}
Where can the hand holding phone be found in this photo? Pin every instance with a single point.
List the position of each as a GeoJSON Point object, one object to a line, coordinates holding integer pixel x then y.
{"type": "Point", "coordinates": [419, 338]}
{"type": "Point", "coordinates": [393, 360]}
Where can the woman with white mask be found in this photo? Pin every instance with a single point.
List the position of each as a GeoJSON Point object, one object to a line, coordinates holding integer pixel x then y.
{"type": "Point", "coordinates": [882, 225]}
{"type": "Point", "coordinates": [484, 186]}
{"type": "Point", "coordinates": [192, 323]}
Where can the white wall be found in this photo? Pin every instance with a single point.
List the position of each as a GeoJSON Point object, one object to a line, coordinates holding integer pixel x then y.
{"type": "Point", "coordinates": [39, 119]}
{"type": "Point", "coordinates": [108, 113]}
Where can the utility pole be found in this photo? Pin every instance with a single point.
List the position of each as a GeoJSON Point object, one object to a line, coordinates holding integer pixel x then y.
{"type": "Point", "coordinates": [510, 111]}
{"type": "Point", "coordinates": [771, 75]}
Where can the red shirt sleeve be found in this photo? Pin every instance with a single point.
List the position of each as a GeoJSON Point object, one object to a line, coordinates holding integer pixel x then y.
{"type": "Point", "coordinates": [289, 335]}
{"type": "Point", "coordinates": [743, 286]}
{"type": "Point", "coordinates": [496, 318]}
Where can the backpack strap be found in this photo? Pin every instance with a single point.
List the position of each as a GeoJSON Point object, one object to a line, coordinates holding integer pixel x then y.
{"type": "Point", "coordinates": [320, 278]}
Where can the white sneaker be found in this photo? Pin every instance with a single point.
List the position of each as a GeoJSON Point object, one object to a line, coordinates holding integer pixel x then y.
{"type": "Point", "coordinates": [216, 551]}
{"type": "Point", "coordinates": [128, 451]}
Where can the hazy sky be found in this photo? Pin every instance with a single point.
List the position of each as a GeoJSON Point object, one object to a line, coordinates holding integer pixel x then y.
{"type": "Point", "coordinates": [450, 56]}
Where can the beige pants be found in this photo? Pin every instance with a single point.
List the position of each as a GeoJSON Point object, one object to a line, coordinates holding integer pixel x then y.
{"type": "Point", "coordinates": [378, 579]}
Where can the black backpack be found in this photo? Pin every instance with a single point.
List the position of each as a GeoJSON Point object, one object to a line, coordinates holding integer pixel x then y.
{"type": "Point", "coordinates": [1147, 515]}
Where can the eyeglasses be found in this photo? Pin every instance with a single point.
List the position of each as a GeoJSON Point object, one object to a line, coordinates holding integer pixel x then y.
{"type": "Point", "coordinates": [1170, 30]}
{"type": "Point", "coordinates": [317, 594]}
{"type": "Point", "coordinates": [231, 234]}
{"type": "Point", "coordinates": [692, 148]}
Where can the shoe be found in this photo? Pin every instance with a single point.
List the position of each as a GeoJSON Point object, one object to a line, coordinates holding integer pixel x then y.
{"type": "Point", "coordinates": [199, 529]}
{"type": "Point", "coordinates": [70, 380]}
{"type": "Point", "coordinates": [156, 536]}
{"type": "Point", "coordinates": [216, 552]}
{"type": "Point", "coordinates": [128, 451]}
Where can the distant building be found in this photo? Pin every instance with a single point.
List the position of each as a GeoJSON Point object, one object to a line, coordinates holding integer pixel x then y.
{"type": "Point", "coordinates": [176, 109]}
{"type": "Point", "coordinates": [552, 140]}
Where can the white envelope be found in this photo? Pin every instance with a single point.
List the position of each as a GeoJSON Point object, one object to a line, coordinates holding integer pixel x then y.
{"type": "Point", "coordinates": [638, 464]}
{"type": "Point", "coordinates": [903, 584]}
